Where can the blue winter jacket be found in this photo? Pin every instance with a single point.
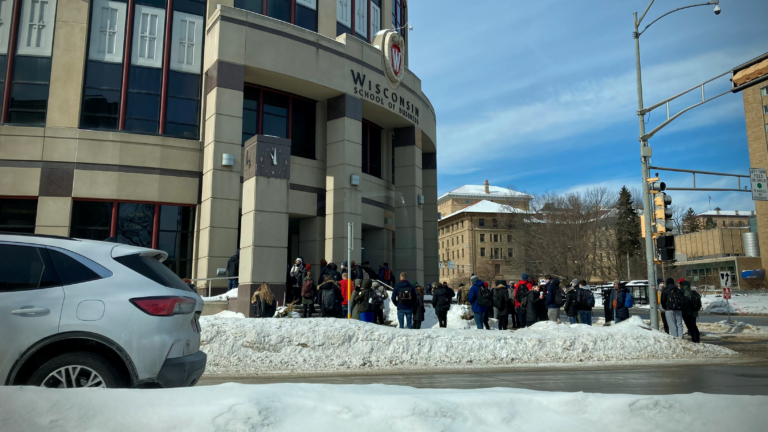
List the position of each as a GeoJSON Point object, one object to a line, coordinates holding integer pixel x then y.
{"type": "Point", "coordinates": [622, 312]}
{"type": "Point", "coordinates": [474, 293]}
{"type": "Point", "coordinates": [400, 287]}
{"type": "Point", "coordinates": [553, 289]}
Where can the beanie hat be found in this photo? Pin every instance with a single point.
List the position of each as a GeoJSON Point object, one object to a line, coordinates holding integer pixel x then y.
{"type": "Point", "coordinates": [473, 279]}
{"type": "Point", "coordinates": [670, 281]}
{"type": "Point", "coordinates": [659, 281]}
{"type": "Point", "coordinates": [681, 280]}
{"type": "Point", "coordinates": [308, 266]}
{"type": "Point", "coordinates": [575, 282]}
{"type": "Point", "coordinates": [524, 277]}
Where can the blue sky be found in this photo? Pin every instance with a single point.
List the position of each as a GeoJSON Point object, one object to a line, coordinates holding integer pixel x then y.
{"type": "Point", "coordinates": [541, 95]}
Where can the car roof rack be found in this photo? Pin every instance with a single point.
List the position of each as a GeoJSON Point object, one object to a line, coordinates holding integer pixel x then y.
{"type": "Point", "coordinates": [38, 235]}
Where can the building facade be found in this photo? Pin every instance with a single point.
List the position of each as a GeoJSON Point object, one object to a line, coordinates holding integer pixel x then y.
{"type": "Point", "coordinates": [725, 218]}
{"type": "Point", "coordinates": [130, 119]}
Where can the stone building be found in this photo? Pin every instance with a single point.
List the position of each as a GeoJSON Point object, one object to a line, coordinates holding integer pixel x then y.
{"type": "Point", "coordinates": [129, 119]}
{"type": "Point", "coordinates": [725, 218]}
{"type": "Point", "coordinates": [481, 236]}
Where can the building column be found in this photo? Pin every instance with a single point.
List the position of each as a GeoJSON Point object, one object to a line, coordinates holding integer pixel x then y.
{"type": "Point", "coordinates": [344, 159]}
{"type": "Point", "coordinates": [220, 192]}
{"type": "Point", "coordinates": [53, 215]}
{"type": "Point", "coordinates": [431, 249]}
{"type": "Point", "coordinates": [264, 229]}
{"type": "Point", "coordinates": [312, 242]}
{"type": "Point", "coordinates": [409, 214]}
{"type": "Point", "coordinates": [378, 242]}
{"type": "Point", "coordinates": [68, 63]}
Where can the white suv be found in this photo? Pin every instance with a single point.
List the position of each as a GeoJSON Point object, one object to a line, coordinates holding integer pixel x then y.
{"type": "Point", "coordinates": [81, 313]}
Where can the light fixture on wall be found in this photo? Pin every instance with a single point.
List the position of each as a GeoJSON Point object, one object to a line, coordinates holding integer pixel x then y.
{"type": "Point", "coordinates": [421, 199]}
{"type": "Point", "coordinates": [355, 180]}
{"type": "Point", "coordinates": [227, 160]}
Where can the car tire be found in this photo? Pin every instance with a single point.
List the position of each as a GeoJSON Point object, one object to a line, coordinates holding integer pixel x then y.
{"type": "Point", "coordinates": [77, 369]}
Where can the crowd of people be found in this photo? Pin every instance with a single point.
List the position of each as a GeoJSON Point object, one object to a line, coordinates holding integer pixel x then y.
{"type": "Point", "coordinates": [359, 292]}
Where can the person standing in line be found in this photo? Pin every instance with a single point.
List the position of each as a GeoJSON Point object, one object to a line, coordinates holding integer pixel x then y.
{"type": "Point", "coordinates": [553, 299]}
{"type": "Point", "coordinates": [607, 294]}
{"type": "Point", "coordinates": [586, 303]}
{"type": "Point", "coordinates": [233, 270]}
{"type": "Point", "coordinates": [328, 294]}
{"type": "Point", "coordinates": [511, 306]}
{"type": "Point", "coordinates": [321, 274]}
{"type": "Point", "coordinates": [691, 307]}
{"type": "Point", "coordinates": [474, 299]}
{"type": "Point", "coordinates": [308, 294]}
{"type": "Point", "coordinates": [404, 298]}
{"type": "Point", "coordinates": [386, 276]}
{"type": "Point", "coordinates": [660, 305]}
{"type": "Point", "coordinates": [378, 312]}
{"type": "Point", "coordinates": [500, 303]}
{"type": "Point", "coordinates": [344, 286]}
{"type": "Point", "coordinates": [521, 292]}
{"type": "Point", "coordinates": [489, 308]}
{"type": "Point", "coordinates": [571, 306]}
{"type": "Point", "coordinates": [263, 302]}
{"type": "Point", "coordinates": [363, 301]}
{"type": "Point", "coordinates": [419, 309]}
{"type": "Point", "coordinates": [462, 295]}
{"type": "Point", "coordinates": [297, 273]}
{"type": "Point", "coordinates": [672, 298]}
{"type": "Point", "coordinates": [532, 302]}
{"type": "Point", "coordinates": [622, 311]}
{"type": "Point", "coordinates": [441, 301]}
{"type": "Point", "coordinates": [355, 293]}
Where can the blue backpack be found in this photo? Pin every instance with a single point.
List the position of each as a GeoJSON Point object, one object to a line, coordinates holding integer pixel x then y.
{"type": "Point", "coordinates": [629, 301]}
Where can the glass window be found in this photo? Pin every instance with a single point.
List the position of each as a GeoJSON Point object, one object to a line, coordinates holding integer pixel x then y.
{"type": "Point", "coordinates": [176, 237]}
{"type": "Point", "coordinates": [482, 252]}
{"type": "Point", "coordinates": [91, 220]}
{"type": "Point", "coordinates": [482, 238]}
{"type": "Point", "coordinates": [764, 91]}
{"type": "Point", "coordinates": [143, 105]}
{"type": "Point", "coordinates": [509, 253]}
{"type": "Point", "coordinates": [375, 17]}
{"type": "Point", "coordinates": [107, 36]}
{"type": "Point", "coordinates": [371, 149]}
{"type": "Point", "coordinates": [509, 238]}
{"type": "Point", "coordinates": [101, 95]}
{"type": "Point", "coordinates": [361, 18]}
{"type": "Point", "coordinates": [70, 271]}
{"type": "Point", "coordinates": [275, 114]}
{"type": "Point", "coordinates": [187, 43]}
{"type": "Point", "coordinates": [135, 223]}
{"type": "Point", "coordinates": [344, 13]}
{"type": "Point", "coordinates": [18, 215]}
{"type": "Point", "coordinates": [481, 222]}
{"type": "Point", "coordinates": [279, 9]}
{"type": "Point", "coordinates": [36, 27]}
{"type": "Point", "coordinates": [303, 128]}
{"type": "Point", "coordinates": [6, 16]}
{"type": "Point", "coordinates": [250, 112]}
{"type": "Point", "coordinates": [148, 36]}
{"type": "Point", "coordinates": [183, 108]}
{"type": "Point", "coordinates": [765, 109]}
{"type": "Point", "coordinates": [251, 5]}
{"type": "Point", "coordinates": [25, 267]}
{"type": "Point", "coordinates": [306, 14]}
{"type": "Point", "coordinates": [154, 270]}
{"type": "Point", "coordinates": [29, 93]}
{"type": "Point", "coordinates": [196, 7]}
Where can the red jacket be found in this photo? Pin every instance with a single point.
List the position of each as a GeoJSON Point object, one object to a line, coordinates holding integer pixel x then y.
{"type": "Point", "coordinates": [517, 303]}
{"type": "Point", "coordinates": [343, 285]}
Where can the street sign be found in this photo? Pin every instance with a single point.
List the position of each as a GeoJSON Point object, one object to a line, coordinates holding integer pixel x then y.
{"type": "Point", "coordinates": [451, 265]}
{"type": "Point", "coordinates": [726, 279]}
{"type": "Point", "coordinates": [759, 182]}
{"type": "Point", "coordinates": [726, 293]}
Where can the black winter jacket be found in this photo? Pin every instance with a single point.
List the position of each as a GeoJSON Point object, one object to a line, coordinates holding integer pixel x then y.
{"type": "Point", "coordinates": [262, 309]}
{"type": "Point", "coordinates": [533, 307]}
{"type": "Point", "coordinates": [442, 293]}
{"type": "Point", "coordinates": [501, 301]}
{"type": "Point", "coordinates": [622, 312]}
{"type": "Point", "coordinates": [418, 308]}
{"type": "Point", "coordinates": [571, 306]}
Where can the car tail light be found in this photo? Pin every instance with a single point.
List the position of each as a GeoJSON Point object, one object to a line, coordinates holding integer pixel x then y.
{"type": "Point", "coordinates": [165, 306]}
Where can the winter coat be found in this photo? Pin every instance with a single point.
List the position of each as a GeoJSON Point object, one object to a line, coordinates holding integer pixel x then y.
{"type": "Point", "coordinates": [262, 309]}
{"type": "Point", "coordinates": [363, 296]}
{"type": "Point", "coordinates": [383, 290]}
{"type": "Point", "coordinates": [369, 271]}
{"type": "Point", "coordinates": [665, 294]}
{"type": "Point", "coordinates": [533, 306]}
{"type": "Point", "coordinates": [344, 291]}
{"type": "Point", "coordinates": [607, 303]}
{"type": "Point", "coordinates": [519, 284]}
{"type": "Point", "coordinates": [688, 293]}
{"type": "Point", "coordinates": [358, 273]}
{"type": "Point", "coordinates": [581, 298]}
{"type": "Point", "coordinates": [308, 290]}
{"type": "Point", "coordinates": [419, 310]}
{"type": "Point", "coordinates": [622, 312]}
{"type": "Point", "coordinates": [355, 305]}
{"type": "Point", "coordinates": [442, 292]}
{"type": "Point", "coordinates": [401, 287]}
{"type": "Point", "coordinates": [553, 289]}
{"type": "Point", "coordinates": [571, 306]}
{"type": "Point", "coordinates": [474, 294]}
{"type": "Point", "coordinates": [233, 265]}
{"type": "Point", "coordinates": [332, 271]}
{"type": "Point", "coordinates": [500, 301]}
{"type": "Point", "coordinates": [297, 273]}
{"type": "Point", "coordinates": [327, 297]}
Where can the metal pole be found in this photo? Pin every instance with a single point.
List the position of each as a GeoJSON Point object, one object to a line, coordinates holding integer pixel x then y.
{"type": "Point", "coordinates": [647, 210]}
{"type": "Point", "coordinates": [350, 246]}
{"type": "Point", "coordinates": [728, 306]}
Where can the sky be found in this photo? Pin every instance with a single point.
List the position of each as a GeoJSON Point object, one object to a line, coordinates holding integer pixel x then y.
{"type": "Point", "coordinates": [541, 95]}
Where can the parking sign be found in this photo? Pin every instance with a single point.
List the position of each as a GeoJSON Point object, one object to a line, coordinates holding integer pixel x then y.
{"type": "Point", "coordinates": [759, 179]}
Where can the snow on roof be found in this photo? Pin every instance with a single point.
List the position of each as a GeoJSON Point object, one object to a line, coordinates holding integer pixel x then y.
{"type": "Point", "coordinates": [486, 206]}
{"type": "Point", "coordinates": [478, 191]}
{"type": "Point", "coordinates": [744, 213]}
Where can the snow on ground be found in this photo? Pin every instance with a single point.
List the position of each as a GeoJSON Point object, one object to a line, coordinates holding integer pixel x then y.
{"type": "Point", "coordinates": [455, 320]}
{"type": "Point", "coordinates": [751, 304]}
{"type": "Point", "coordinates": [374, 408]}
{"type": "Point", "coordinates": [231, 294]}
{"type": "Point", "coordinates": [734, 328]}
{"type": "Point", "coordinates": [281, 346]}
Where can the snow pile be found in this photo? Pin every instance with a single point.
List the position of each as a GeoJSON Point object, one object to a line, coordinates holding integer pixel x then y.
{"type": "Point", "coordinates": [374, 408]}
{"type": "Point", "coordinates": [455, 314]}
{"type": "Point", "coordinates": [231, 294]}
{"type": "Point", "coordinates": [742, 304]}
{"type": "Point", "coordinates": [277, 346]}
{"type": "Point", "coordinates": [733, 328]}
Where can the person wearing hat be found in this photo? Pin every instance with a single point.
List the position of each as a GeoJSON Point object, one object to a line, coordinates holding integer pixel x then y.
{"type": "Point", "coordinates": [378, 313]}
{"type": "Point", "coordinates": [500, 304]}
{"type": "Point", "coordinates": [441, 302]}
{"type": "Point", "coordinates": [659, 287]}
{"type": "Point", "coordinates": [571, 306]}
{"type": "Point", "coordinates": [473, 297]}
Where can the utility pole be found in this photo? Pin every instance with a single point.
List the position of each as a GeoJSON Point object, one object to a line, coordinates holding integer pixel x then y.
{"type": "Point", "coordinates": [350, 246]}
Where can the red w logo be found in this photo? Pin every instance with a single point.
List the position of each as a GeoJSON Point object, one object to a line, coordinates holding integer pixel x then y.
{"type": "Point", "coordinates": [396, 59]}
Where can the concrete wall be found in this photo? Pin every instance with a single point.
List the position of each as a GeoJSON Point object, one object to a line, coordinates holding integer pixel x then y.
{"type": "Point", "coordinates": [757, 141]}
{"type": "Point", "coordinates": [711, 243]}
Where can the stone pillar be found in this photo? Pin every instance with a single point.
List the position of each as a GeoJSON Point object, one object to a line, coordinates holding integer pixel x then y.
{"type": "Point", "coordinates": [757, 141]}
{"type": "Point", "coordinates": [344, 158]}
{"type": "Point", "coordinates": [67, 64]}
{"type": "Point", "coordinates": [312, 242]}
{"type": "Point", "coordinates": [431, 249]}
{"type": "Point", "coordinates": [220, 193]}
{"type": "Point", "coordinates": [53, 215]}
{"type": "Point", "coordinates": [264, 228]}
{"type": "Point", "coordinates": [409, 217]}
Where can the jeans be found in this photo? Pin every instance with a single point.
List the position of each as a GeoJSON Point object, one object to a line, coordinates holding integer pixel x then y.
{"type": "Point", "coordinates": [366, 316]}
{"type": "Point", "coordinates": [231, 284]}
{"type": "Point", "coordinates": [693, 329]}
{"type": "Point", "coordinates": [442, 319]}
{"type": "Point", "coordinates": [406, 314]}
{"type": "Point", "coordinates": [552, 314]}
{"type": "Point", "coordinates": [618, 320]}
{"type": "Point", "coordinates": [479, 320]}
{"type": "Point", "coordinates": [675, 321]}
{"type": "Point", "coordinates": [309, 309]}
{"type": "Point", "coordinates": [523, 322]}
{"type": "Point", "coordinates": [573, 319]}
{"type": "Point", "coordinates": [586, 317]}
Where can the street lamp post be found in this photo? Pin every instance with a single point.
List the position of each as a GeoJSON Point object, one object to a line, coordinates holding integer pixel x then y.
{"type": "Point", "coordinates": [645, 157]}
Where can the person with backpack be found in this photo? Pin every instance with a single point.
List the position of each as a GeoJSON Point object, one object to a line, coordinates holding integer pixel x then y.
{"type": "Point", "coordinates": [346, 291]}
{"type": "Point", "coordinates": [418, 308]}
{"type": "Point", "coordinates": [377, 300]}
{"type": "Point", "coordinates": [441, 301]}
{"type": "Point", "coordinates": [586, 299]}
{"type": "Point", "coordinates": [358, 284]}
{"type": "Point", "coordinates": [332, 271]}
{"type": "Point", "coordinates": [673, 300]}
{"type": "Point", "coordinates": [624, 301]}
{"type": "Point", "coordinates": [659, 288]}
{"type": "Point", "coordinates": [404, 299]}
{"type": "Point", "coordinates": [328, 295]}
{"type": "Point", "coordinates": [521, 292]}
{"type": "Point", "coordinates": [691, 308]}
{"type": "Point", "coordinates": [308, 293]}
{"type": "Point", "coordinates": [364, 301]}
{"type": "Point", "coordinates": [385, 275]}
{"type": "Point", "coordinates": [500, 303]}
{"type": "Point", "coordinates": [480, 299]}
{"type": "Point", "coordinates": [553, 300]}
{"type": "Point", "coordinates": [571, 306]}
{"type": "Point", "coordinates": [607, 294]}
{"type": "Point", "coordinates": [532, 302]}
{"type": "Point", "coordinates": [489, 309]}
{"type": "Point", "coordinates": [511, 307]}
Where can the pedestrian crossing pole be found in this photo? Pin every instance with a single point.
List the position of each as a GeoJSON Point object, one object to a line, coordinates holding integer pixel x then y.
{"type": "Point", "coordinates": [350, 246]}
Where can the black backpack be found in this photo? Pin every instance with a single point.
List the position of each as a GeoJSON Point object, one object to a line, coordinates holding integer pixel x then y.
{"type": "Point", "coordinates": [498, 297]}
{"type": "Point", "coordinates": [484, 296]}
{"type": "Point", "coordinates": [675, 300]}
{"type": "Point", "coordinates": [406, 297]}
{"type": "Point", "coordinates": [376, 299]}
{"type": "Point", "coordinates": [443, 301]}
{"type": "Point", "coordinates": [694, 305]}
{"type": "Point", "coordinates": [558, 296]}
{"type": "Point", "coordinates": [327, 300]}
{"type": "Point", "coordinates": [522, 293]}
{"type": "Point", "coordinates": [586, 299]}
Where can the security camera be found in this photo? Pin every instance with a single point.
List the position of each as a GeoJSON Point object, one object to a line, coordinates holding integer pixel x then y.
{"type": "Point", "coordinates": [717, 9]}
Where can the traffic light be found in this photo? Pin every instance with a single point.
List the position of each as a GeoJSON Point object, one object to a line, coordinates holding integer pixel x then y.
{"type": "Point", "coordinates": [665, 247]}
{"type": "Point", "coordinates": [663, 213]}
{"type": "Point", "coordinates": [655, 186]}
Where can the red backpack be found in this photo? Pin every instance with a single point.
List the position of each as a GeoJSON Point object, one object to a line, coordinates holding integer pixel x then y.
{"type": "Point", "coordinates": [308, 288]}
{"type": "Point", "coordinates": [387, 275]}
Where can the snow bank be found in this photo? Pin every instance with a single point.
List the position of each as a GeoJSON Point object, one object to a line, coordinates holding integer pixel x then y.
{"type": "Point", "coordinates": [733, 328]}
{"type": "Point", "coordinates": [455, 314]}
{"type": "Point", "coordinates": [742, 304]}
{"type": "Point", "coordinates": [374, 408]}
{"type": "Point", "coordinates": [231, 294]}
{"type": "Point", "coordinates": [281, 346]}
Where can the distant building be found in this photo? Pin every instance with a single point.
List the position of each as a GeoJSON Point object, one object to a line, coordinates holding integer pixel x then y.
{"type": "Point", "coordinates": [726, 218]}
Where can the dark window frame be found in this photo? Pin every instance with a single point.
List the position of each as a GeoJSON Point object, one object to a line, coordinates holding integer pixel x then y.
{"type": "Point", "coordinates": [368, 128]}
{"type": "Point", "coordinates": [30, 229]}
{"type": "Point", "coordinates": [294, 8]}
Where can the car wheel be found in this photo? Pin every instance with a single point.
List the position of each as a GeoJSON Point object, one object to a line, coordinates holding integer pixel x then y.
{"type": "Point", "coordinates": [75, 370]}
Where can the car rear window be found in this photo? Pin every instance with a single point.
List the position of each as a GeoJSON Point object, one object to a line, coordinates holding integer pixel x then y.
{"type": "Point", "coordinates": [154, 270]}
{"type": "Point", "coordinates": [71, 271]}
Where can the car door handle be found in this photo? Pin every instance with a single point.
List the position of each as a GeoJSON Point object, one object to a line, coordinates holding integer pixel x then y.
{"type": "Point", "coordinates": [30, 311]}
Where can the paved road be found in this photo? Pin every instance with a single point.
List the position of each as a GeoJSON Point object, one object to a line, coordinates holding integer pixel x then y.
{"type": "Point", "coordinates": [758, 320]}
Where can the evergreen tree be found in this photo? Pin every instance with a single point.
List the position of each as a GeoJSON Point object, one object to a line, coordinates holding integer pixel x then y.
{"type": "Point", "coordinates": [709, 224]}
{"type": "Point", "coordinates": [690, 222]}
{"type": "Point", "coordinates": [627, 226]}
